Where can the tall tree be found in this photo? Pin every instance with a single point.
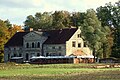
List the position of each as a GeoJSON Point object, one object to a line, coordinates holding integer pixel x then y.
{"type": "Point", "coordinates": [30, 21]}
{"type": "Point", "coordinates": [61, 19]}
{"type": "Point", "coordinates": [40, 21]}
{"type": "Point", "coordinates": [77, 18]}
{"type": "Point", "coordinates": [93, 32]}
{"type": "Point", "coordinates": [110, 16]}
{"type": "Point", "coordinates": [4, 36]}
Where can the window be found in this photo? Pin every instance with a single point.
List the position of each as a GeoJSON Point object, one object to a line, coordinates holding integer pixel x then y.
{"type": "Point", "coordinates": [27, 45]}
{"type": "Point", "coordinates": [73, 44]}
{"type": "Point", "coordinates": [79, 35]}
{"type": "Point", "coordinates": [20, 55]}
{"type": "Point", "coordinates": [27, 56]}
{"type": "Point", "coordinates": [33, 46]}
{"type": "Point", "coordinates": [14, 55]}
{"type": "Point", "coordinates": [79, 44]}
{"type": "Point", "coordinates": [59, 54]}
{"type": "Point", "coordinates": [84, 44]}
{"type": "Point", "coordinates": [59, 47]}
{"type": "Point", "coordinates": [47, 54]}
{"type": "Point", "coordinates": [38, 54]}
{"type": "Point", "coordinates": [38, 44]}
{"type": "Point", "coordinates": [53, 47]}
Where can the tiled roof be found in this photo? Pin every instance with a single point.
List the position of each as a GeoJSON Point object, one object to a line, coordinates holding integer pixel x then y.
{"type": "Point", "coordinates": [59, 36]}
{"type": "Point", "coordinates": [54, 37]}
{"type": "Point", "coordinates": [16, 40]}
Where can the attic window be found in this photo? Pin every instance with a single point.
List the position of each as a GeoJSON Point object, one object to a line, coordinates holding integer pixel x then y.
{"type": "Point", "coordinates": [79, 35]}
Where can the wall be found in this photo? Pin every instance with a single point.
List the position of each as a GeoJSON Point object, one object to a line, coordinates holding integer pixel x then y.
{"type": "Point", "coordinates": [54, 48]}
{"type": "Point", "coordinates": [70, 50]}
{"type": "Point", "coordinates": [30, 38]}
{"type": "Point", "coordinates": [11, 51]}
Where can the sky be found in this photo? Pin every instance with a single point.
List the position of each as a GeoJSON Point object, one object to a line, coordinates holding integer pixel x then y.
{"type": "Point", "coordinates": [16, 11]}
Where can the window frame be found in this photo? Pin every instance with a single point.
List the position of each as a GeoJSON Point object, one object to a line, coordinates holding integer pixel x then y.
{"type": "Point", "coordinates": [79, 45]}
{"type": "Point", "coordinates": [38, 44]}
{"type": "Point", "coordinates": [27, 45]}
{"type": "Point", "coordinates": [73, 44]}
{"type": "Point", "coordinates": [33, 45]}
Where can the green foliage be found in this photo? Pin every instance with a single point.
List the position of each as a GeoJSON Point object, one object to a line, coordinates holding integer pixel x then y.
{"type": "Point", "coordinates": [48, 21]}
{"type": "Point", "coordinates": [92, 31]}
{"type": "Point", "coordinates": [109, 15]}
{"type": "Point", "coordinates": [6, 32]}
{"type": "Point", "coordinates": [40, 21]}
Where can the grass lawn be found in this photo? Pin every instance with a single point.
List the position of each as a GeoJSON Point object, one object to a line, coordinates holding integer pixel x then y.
{"type": "Point", "coordinates": [57, 72]}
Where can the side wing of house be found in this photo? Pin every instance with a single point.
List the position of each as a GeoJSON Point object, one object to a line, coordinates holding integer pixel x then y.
{"type": "Point", "coordinates": [33, 44]}
{"type": "Point", "coordinates": [14, 47]}
{"type": "Point", "coordinates": [77, 46]}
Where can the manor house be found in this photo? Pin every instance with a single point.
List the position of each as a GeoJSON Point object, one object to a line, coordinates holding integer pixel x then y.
{"type": "Point", "coordinates": [63, 42]}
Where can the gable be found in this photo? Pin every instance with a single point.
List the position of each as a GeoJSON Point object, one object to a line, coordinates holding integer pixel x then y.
{"type": "Point", "coordinates": [33, 36]}
{"type": "Point", "coordinates": [75, 35]}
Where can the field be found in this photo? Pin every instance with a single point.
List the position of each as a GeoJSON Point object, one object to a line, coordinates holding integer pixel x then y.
{"type": "Point", "coordinates": [13, 71]}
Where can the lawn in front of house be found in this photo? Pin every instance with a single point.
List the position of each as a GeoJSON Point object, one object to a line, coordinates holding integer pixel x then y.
{"type": "Point", "coordinates": [57, 72]}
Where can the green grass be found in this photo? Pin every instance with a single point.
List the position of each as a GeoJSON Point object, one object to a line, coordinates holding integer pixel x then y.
{"type": "Point", "coordinates": [57, 72]}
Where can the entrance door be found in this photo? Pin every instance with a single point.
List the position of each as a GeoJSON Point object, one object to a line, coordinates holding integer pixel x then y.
{"type": "Point", "coordinates": [27, 56]}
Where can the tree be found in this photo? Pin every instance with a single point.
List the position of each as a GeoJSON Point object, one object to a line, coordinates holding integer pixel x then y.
{"type": "Point", "coordinates": [48, 21]}
{"type": "Point", "coordinates": [109, 15]}
{"type": "Point", "coordinates": [61, 19]}
{"type": "Point", "coordinates": [4, 35]}
{"type": "Point", "coordinates": [40, 21]}
{"type": "Point", "coordinates": [14, 29]}
{"type": "Point", "coordinates": [8, 24]}
{"type": "Point", "coordinates": [30, 21]}
{"type": "Point", "coordinates": [93, 32]}
{"type": "Point", "coordinates": [6, 32]}
{"type": "Point", "coordinates": [77, 18]}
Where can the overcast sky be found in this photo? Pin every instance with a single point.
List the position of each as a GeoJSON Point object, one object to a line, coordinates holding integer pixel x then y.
{"type": "Point", "coordinates": [17, 10]}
